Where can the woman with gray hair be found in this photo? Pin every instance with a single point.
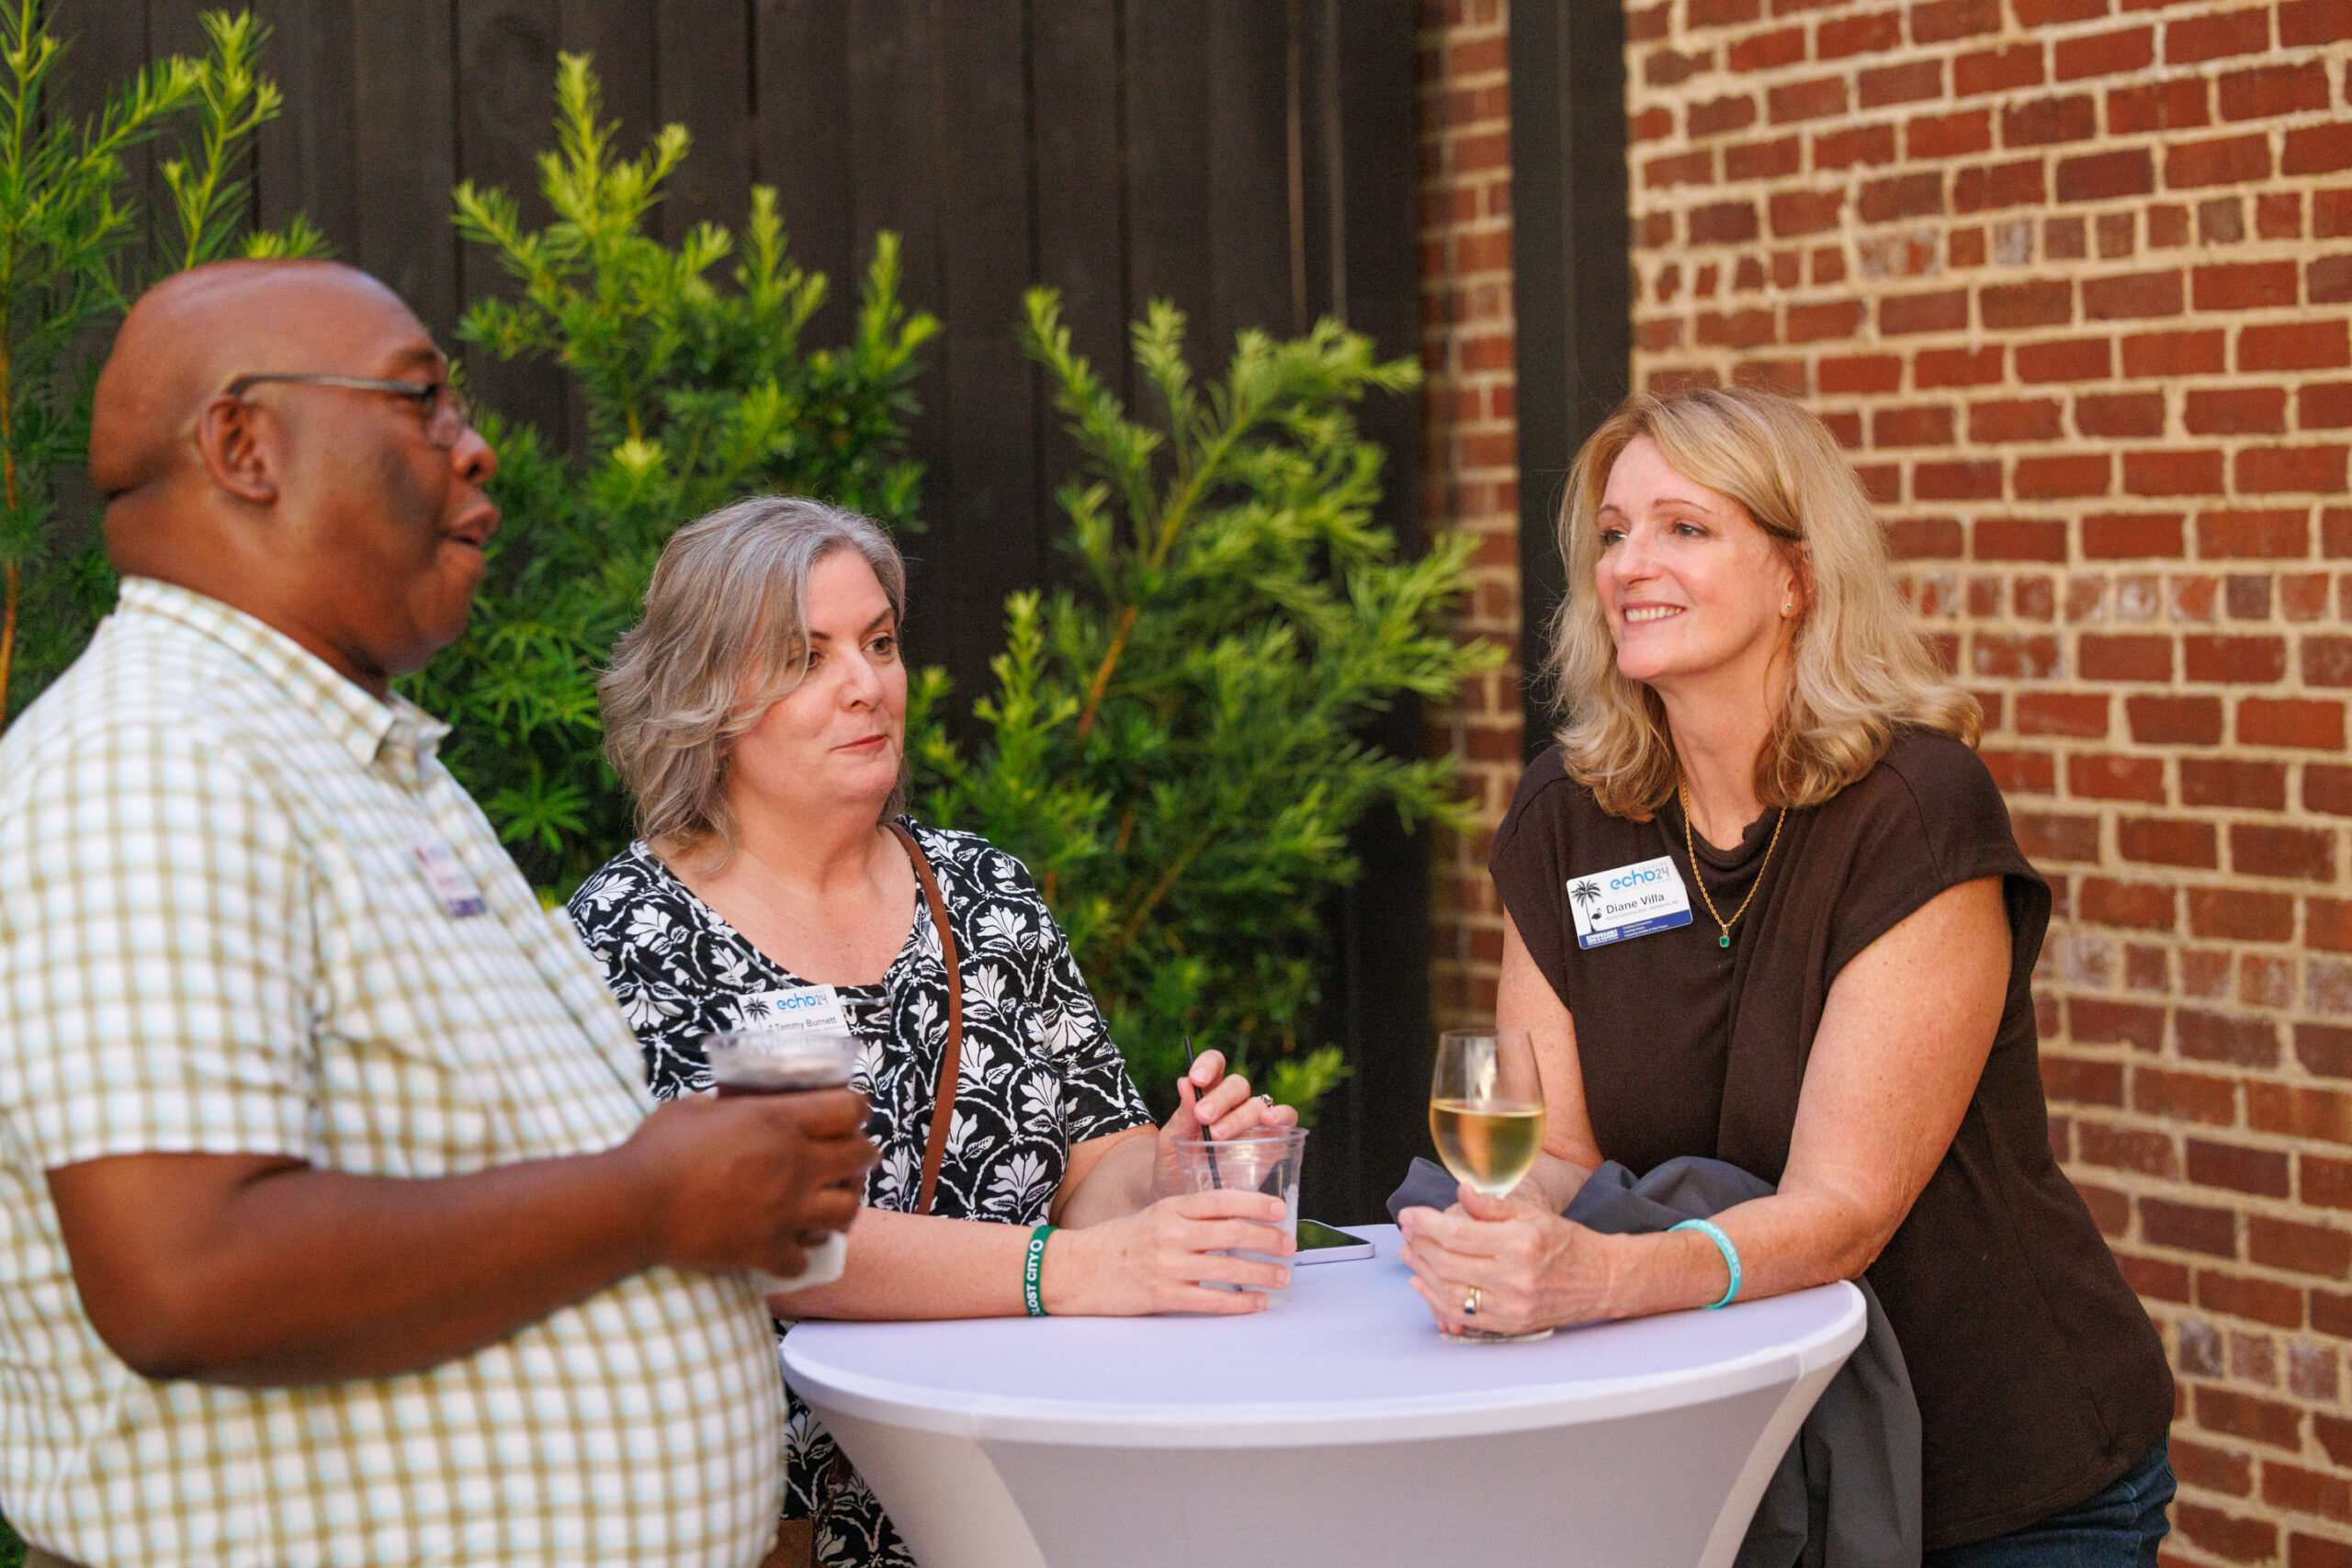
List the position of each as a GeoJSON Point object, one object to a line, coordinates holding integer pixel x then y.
{"type": "Point", "coordinates": [758, 715]}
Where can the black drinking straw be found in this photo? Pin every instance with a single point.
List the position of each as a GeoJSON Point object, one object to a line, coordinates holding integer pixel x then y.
{"type": "Point", "coordinates": [1207, 1142]}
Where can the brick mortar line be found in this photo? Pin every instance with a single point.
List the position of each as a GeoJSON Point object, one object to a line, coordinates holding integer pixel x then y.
{"type": "Point", "coordinates": [1705, 89]}
{"type": "Point", "coordinates": [2238, 1135]}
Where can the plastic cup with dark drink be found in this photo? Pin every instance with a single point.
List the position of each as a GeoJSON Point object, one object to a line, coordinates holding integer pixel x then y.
{"type": "Point", "coordinates": [784, 1061]}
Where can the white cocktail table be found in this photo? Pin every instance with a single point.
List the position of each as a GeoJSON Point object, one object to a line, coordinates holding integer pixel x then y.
{"type": "Point", "coordinates": [1337, 1428]}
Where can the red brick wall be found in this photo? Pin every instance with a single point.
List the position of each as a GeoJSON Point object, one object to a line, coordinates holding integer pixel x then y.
{"type": "Point", "coordinates": [1471, 464]}
{"type": "Point", "coordinates": [2073, 281]}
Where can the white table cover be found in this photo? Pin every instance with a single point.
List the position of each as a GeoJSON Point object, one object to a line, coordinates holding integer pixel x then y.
{"type": "Point", "coordinates": [1337, 1428]}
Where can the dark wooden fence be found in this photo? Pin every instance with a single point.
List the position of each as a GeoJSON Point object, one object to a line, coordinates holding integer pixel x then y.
{"type": "Point", "coordinates": [1253, 159]}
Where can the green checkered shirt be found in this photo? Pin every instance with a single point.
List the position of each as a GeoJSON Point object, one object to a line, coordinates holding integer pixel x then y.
{"type": "Point", "coordinates": [217, 936]}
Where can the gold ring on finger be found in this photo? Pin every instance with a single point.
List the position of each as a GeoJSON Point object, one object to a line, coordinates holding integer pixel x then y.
{"type": "Point", "coordinates": [1470, 1302]}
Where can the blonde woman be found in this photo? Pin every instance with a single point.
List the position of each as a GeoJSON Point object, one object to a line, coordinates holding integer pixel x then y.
{"type": "Point", "coordinates": [1847, 1013]}
{"type": "Point", "coordinates": [758, 713]}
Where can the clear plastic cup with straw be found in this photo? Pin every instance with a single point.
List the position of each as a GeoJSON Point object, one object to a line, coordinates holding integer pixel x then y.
{"type": "Point", "coordinates": [1263, 1159]}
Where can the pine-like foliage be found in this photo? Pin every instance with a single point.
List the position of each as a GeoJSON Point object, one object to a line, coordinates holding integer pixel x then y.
{"type": "Point", "coordinates": [73, 248]}
{"type": "Point", "coordinates": [694, 396]}
{"type": "Point", "coordinates": [1177, 748]}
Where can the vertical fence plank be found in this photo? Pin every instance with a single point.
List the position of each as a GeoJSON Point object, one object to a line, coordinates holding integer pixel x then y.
{"type": "Point", "coordinates": [991, 536]}
{"type": "Point", "coordinates": [171, 29]}
{"type": "Point", "coordinates": [307, 160]}
{"type": "Point", "coordinates": [801, 140]}
{"type": "Point", "coordinates": [895, 59]}
{"type": "Point", "coordinates": [505, 77]}
{"type": "Point", "coordinates": [1322, 175]}
{"type": "Point", "coordinates": [106, 41]}
{"type": "Point", "coordinates": [1080, 203]}
{"type": "Point", "coordinates": [406, 111]}
{"type": "Point", "coordinates": [895, 56]}
{"type": "Point", "coordinates": [703, 82]}
{"type": "Point", "coordinates": [1170, 213]}
{"type": "Point", "coordinates": [1249, 206]}
{"type": "Point", "coordinates": [618, 36]}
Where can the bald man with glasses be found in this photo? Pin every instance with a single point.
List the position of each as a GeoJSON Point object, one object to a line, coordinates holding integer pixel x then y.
{"type": "Point", "coordinates": [336, 1225]}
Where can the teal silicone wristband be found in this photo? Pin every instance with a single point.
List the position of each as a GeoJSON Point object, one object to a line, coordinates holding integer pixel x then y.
{"type": "Point", "coordinates": [1034, 1271]}
{"type": "Point", "coordinates": [1714, 1233]}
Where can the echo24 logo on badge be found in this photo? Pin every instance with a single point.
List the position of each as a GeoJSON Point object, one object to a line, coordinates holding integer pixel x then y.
{"type": "Point", "coordinates": [1628, 901]}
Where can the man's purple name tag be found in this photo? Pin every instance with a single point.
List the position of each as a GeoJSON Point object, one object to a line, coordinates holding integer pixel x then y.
{"type": "Point", "coordinates": [448, 879]}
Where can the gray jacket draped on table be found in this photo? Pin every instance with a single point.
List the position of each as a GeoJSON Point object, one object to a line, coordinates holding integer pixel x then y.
{"type": "Point", "coordinates": [1847, 1493]}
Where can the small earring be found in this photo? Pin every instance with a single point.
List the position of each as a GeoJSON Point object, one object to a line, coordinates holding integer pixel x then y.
{"type": "Point", "coordinates": [1789, 609]}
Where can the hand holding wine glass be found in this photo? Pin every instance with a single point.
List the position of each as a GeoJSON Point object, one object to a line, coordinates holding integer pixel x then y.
{"type": "Point", "coordinates": [1486, 1117]}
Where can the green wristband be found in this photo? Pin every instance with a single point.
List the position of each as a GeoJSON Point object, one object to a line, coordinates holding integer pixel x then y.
{"type": "Point", "coordinates": [1714, 1233]}
{"type": "Point", "coordinates": [1032, 1272]}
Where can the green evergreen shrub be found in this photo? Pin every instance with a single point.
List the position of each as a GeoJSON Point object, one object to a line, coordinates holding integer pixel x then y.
{"type": "Point", "coordinates": [694, 396]}
{"type": "Point", "coordinates": [1176, 748]}
{"type": "Point", "coordinates": [74, 247]}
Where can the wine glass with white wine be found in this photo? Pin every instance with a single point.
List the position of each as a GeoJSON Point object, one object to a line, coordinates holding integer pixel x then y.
{"type": "Point", "coordinates": [1486, 1116]}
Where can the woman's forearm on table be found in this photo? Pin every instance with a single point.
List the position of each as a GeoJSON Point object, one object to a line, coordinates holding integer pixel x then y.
{"type": "Point", "coordinates": [1117, 1185]}
{"type": "Point", "coordinates": [920, 1266]}
{"type": "Point", "coordinates": [1553, 1182]}
{"type": "Point", "coordinates": [1786, 1242]}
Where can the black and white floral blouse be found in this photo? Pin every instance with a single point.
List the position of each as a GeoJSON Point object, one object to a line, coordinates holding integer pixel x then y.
{"type": "Point", "coordinates": [1038, 1070]}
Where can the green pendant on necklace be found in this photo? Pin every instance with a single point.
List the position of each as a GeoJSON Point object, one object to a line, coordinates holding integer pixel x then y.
{"type": "Point", "coordinates": [1682, 794]}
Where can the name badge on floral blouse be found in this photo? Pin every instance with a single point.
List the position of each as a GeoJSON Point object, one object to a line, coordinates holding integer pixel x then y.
{"type": "Point", "coordinates": [800, 1009]}
{"type": "Point", "coordinates": [1630, 901]}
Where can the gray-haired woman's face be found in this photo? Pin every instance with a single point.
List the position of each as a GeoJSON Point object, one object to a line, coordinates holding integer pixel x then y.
{"type": "Point", "coordinates": [835, 740]}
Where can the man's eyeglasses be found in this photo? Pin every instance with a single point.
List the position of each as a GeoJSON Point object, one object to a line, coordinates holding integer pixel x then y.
{"type": "Point", "coordinates": [448, 415]}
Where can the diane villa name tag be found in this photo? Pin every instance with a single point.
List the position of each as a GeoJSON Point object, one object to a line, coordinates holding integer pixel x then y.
{"type": "Point", "coordinates": [448, 878]}
{"type": "Point", "coordinates": [1632, 900]}
{"type": "Point", "coordinates": [801, 1009]}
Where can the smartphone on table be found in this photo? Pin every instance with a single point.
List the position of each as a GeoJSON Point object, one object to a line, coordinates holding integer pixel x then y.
{"type": "Point", "coordinates": [1320, 1243]}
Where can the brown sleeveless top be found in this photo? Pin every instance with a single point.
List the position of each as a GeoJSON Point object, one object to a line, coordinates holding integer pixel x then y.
{"type": "Point", "coordinates": [2038, 1376]}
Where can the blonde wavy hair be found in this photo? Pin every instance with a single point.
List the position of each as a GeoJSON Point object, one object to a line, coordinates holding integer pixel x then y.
{"type": "Point", "coordinates": [724, 634]}
{"type": "Point", "coordinates": [1857, 665]}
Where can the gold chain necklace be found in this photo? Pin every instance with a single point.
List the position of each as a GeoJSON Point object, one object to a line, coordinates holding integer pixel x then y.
{"type": "Point", "coordinates": [1700, 877]}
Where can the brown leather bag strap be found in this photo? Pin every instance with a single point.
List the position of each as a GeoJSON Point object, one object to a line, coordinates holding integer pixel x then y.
{"type": "Point", "coordinates": [942, 1109]}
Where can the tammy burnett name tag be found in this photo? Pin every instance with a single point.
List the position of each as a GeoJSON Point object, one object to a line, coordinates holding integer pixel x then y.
{"type": "Point", "coordinates": [800, 1009]}
{"type": "Point", "coordinates": [1632, 900]}
{"type": "Point", "coordinates": [448, 879]}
